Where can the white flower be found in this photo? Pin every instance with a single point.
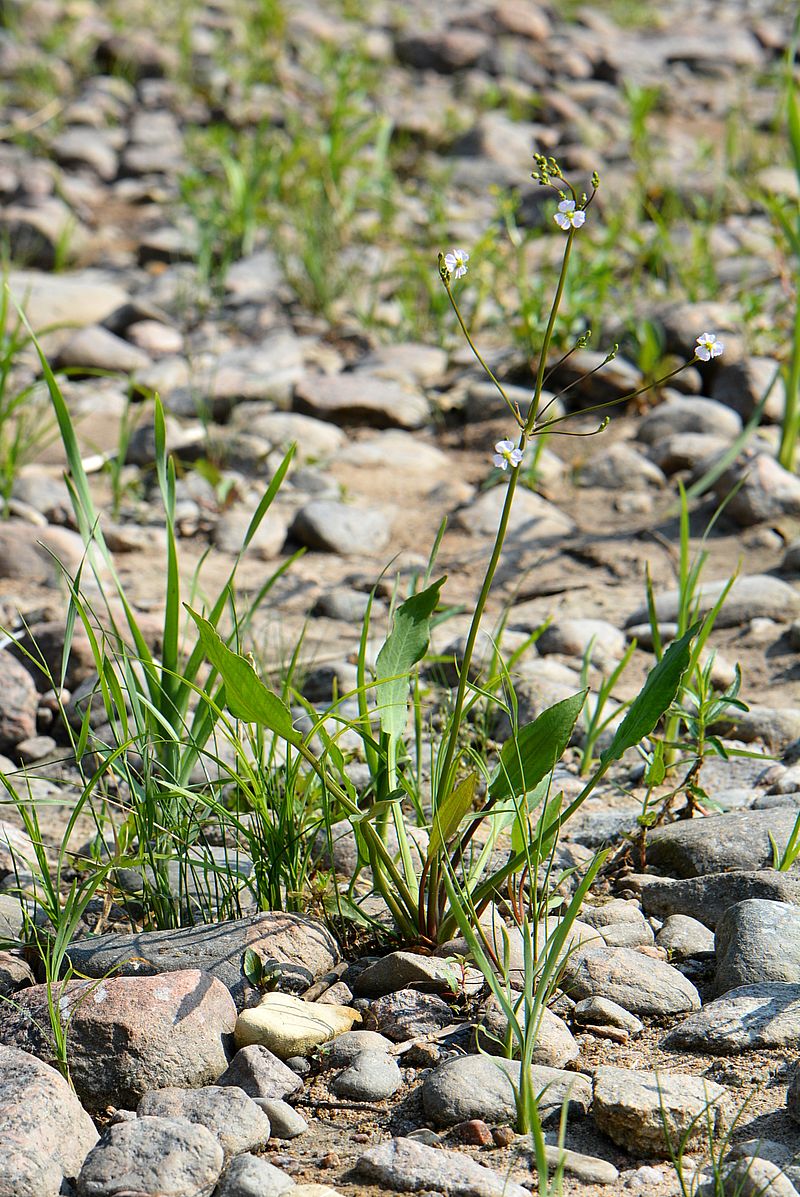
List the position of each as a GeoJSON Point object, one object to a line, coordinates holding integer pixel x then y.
{"type": "Point", "coordinates": [456, 262]}
{"type": "Point", "coordinates": [506, 455]}
{"type": "Point", "coordinates": [568, 216]}
{"type": "Point", "coordinates": [707, 347]}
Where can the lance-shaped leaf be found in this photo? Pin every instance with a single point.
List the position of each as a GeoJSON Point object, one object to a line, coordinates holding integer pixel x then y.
{"type": "Point", "coordinates": [403, 647]}
{"type": "Point", "coordinates": [447, 817]}
{"type": "Point", "coordinates": [246, 696]}
{"type": "Point", "coordinates": [653, 699]}
{"type": "Point", "coordinates": [533, 752]}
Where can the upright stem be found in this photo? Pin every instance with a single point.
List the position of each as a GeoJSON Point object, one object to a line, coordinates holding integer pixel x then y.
{"type": "Point", "coordinates": [548, 335]}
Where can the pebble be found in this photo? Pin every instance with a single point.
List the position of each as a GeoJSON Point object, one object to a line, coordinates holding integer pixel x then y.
{"type": "Point", "coordinates": [532, 517]}
{"type": "Point", "coordinates": [766, 491]}
{"type": "Point", "coordinates": [286, 1122]}
{"type": "Point", "coordinates": [288, 1026]}
{"type": "Point", "coordinates": [588, 1168]}
{"type": "Point", "coordinates": [555, 1046]}
{"type": "Point", "coordinates": [251, 1176]}
{"type": "Point", "coordinates": [361, 398]}
{"type": "Point", "coordinates": [345, 1048]}
{"type": "Point", "coordinates": [231, 1116]}
{"type": "Point", "coordinates": [372, 1076]}
{"type": "Point", "coordinates": [751, 1177]}
{"type": "Point", "coordinates": [333, 527]}
{"type": "Point", "coordinates": [409, 1014]}
{"type": "Point", "coordinates": [632, 1108]}
{"type": "Point", "coordinates": [751, 596]}
{"type": "Point", "coordinates": [399, 970]}
{"type": "Point", "coordinates": [407, 1165]}
{"type": "Point", "coordinates": [152, 1155]}
{"type": "Point", "coordinates": [601, 1011]}
{"type": "Point", "coordinates": [684, 937]}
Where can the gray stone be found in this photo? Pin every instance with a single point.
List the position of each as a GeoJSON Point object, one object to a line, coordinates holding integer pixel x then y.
{"type": "Point", "coordinates": [707, 897]}
{"type": "Point", "coordinates": [407, 1014]}
{"type": "Point", "coordinates": [555, 1046]}
{"type": "Point", "coordinates": [751, 1017]}
{"type": "Point", "coordinates": [261, 1074]}
{"type": "Point", "coordinates": [766, 491]}
{"type": "Point", "coordinates": [602, 1012]}
{"type": "Point", "coordinates": [347, 1047]}
{"type": "Point", "coordinates": [687, 451]}
{"type": "Point", "coordinates": [74, 299]}
{"type": "Point", "coordinates": [588, 1168]}
{"type": "Point", "coordinates": [751, 596]}
{"type": "Point", "coordinates": [639, 983]}
{"type": "Point", "coordinates": [573, 638]}
{"type": "Point", "coordinates": [250, 1176]}
{"type": "Point", "coordinates": [11, 914]}
{"type": "Point", "coordinates": [361, 398]}
{"type": "Point", "coordinates": [33, 554]}
{"type": "Point", "coordinates": [532, 517]}
{"type": "Point", "coordinates": [372, 1076]}
{"type": "Point", "coordinates": [693, 415]}
{"type": "Point", "coordinates": [129, 1034]}
{"type": "Point", "coordinates": [408, 361]}
{"type": "Point", "coordinates": [400, 970]}
{"type": "Point", "coordinates": [340, 528]}
{"type": "Point", "coordinates": [44, 1131]}
{"type": "Point", "coordinates": [793, 1094]}
{"type": "Point", "coordinates": [231, 1116]}
{"type": "Point", "coordinates": [742, 385]}
{"type": "Point", "coordinates": [19, 701]}
{"type": "Point", "coordinates": [302, 946]}
{"type": "Point", "coordinates": [286, 1122]}
{"type": "Point", "coordinates": [409, 1166]}
{"type": "Point", "coordinates": [777, 727]}
{"type": "Point", "coordinates": [95, 348]}
{"type": "Point", "coordinates": [231, 529]}
{"type": "Point", "coordinates": [651, 1113]}
{"type": "Point", "coordinates": [683, 937]}
{"type": "Point", "coordinates": [757, 941]}
{"type": "Point", "coordinates": [315, 439]}
{"type": "Point", "coordinates": [620, 465]}
{"type": "Point", "coordinates": [483, 1087]}
{"type": "Point", "coordinates": [749, 1177]}
{"type": "Point", "coordinates": [149, 1156]}
{"type": "Point", "coordinates": [15, 972]}
{"type": "Point", "coordinates": [739, 840]}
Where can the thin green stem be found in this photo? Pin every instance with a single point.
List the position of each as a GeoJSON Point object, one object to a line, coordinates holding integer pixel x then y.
{"type": "Point", "coordinates": [548, 335]}
{"type": "Point", "coordinates": [511, 406]}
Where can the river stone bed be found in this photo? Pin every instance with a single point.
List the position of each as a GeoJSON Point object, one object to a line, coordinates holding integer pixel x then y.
{"type": "Point", "coordinates": [680, 1001]}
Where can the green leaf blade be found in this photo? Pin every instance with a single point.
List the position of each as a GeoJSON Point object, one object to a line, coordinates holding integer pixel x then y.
{"type": "Point", "coordinates": [405, 645]}
{"type": "Point", "coordinates": [533, 753]}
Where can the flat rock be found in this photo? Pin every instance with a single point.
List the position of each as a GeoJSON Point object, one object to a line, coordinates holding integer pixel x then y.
{"type": "Point", "coordinates": [650, 1113]}
{"type": "Point", "coordinates": [260, 1074]}
{"type": "Point", "coordinates": [44, 1131]}
{"type": "Point", "coordinates": [232, 1117]}
{"type": "Point", "coordinates": [149, 1156]}
{"type": "Point", "coordinates": [751, 1017]}
{"type": "Point", "coordinates": [302, 946]}
{"type": "Point", "coordinates": [128, 1035]}
{"type": "Point", "coordinates": [751, 596]}
{"type": "Point", "coordinates": [398, 970]}
{"type": "Point", "coordinates": [95, 348]}
{"type": "Point", "coordinates": [620, 465]}
{"type": "Point", "coordinates": [314, 438]}
{"type": "Point", "coordinates": [483, 1087]}
{"type": "Point", "coordinates": [707, 897]}
{"type": "Point", "coordinates": [361, 398]}
{"type": "Point", "coordinates": [408, 1013]}
{"type": "Point", "coordinates": [577, 637]}
{"type": "Point", "coordinates": [74, 299]}
{"type": "Point", "coordinates": [640, 984]}
{"type": "Point", "coordinates": [33, 554]}
{"type": "Point", "coordinates": [737, 840]}
{"type": "Point", "coordinates": [408, 1166]}
{"type": "Point", "coordinates": [757, 941]}
{"type": "Point", "coordinates": [288, 1026]}
{"type": "Point", "coordinates": [19, 701]}
{"type": "Point", "coordinates": [334, 527]}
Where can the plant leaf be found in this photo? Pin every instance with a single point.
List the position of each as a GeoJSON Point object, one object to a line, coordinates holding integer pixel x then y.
{"type": "Point", "coordinates": [448, 815]}
{"type": "Point", "coordinates": [533, 752]}
{"type": "Point", "coordinates": [247, 697]}
{"type": "Point", "coordinates": [654, 698]}
{"type": "Point", "coordinates": [403, 647]}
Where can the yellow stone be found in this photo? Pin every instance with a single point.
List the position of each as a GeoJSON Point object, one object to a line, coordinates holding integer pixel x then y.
{"type": "Point", "coordinates": [289, 1026]}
